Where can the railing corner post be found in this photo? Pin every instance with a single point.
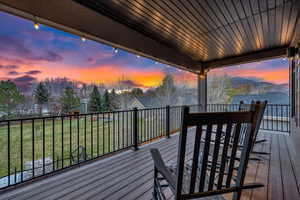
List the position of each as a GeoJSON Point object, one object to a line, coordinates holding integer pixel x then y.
{"type": "Point", "coordinates": [168, 121]}
{"type": "Point", "coordinates": [135, 129]}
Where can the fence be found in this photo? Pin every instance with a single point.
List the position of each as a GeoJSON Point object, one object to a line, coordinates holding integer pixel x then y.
{"type": "Point", "coordinates": [34, 147]}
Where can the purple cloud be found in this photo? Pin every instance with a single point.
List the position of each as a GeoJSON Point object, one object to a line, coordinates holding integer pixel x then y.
{"type": "Point", "coordinates": [13, 73]}
{"type": "Point", "coordinates": [24, 82]}
{"type": "Point", "coordinates": [18, 48]}
{"type": "Point", "coordinates": [10, 67]}
{"type": "Point", "coordinates": [33, 72]}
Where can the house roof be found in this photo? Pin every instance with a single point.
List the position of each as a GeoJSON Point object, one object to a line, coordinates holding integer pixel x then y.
{"type": "Point", "coordinates": [188, 34]}
{"type": "Point", "coordinates": [146, 101]}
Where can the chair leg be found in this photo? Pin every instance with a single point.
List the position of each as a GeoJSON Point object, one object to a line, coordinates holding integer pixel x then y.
{"type": "Point", "coordinates": [236, 195]}
{"type": "Point", "coordinates": [155, 197]}
{"type": "Point", "coordinates": [260, 141]}
{"type": "Point", "coordinates": [260, 153]}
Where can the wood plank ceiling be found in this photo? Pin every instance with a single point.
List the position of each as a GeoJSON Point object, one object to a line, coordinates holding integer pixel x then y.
{"type": "Point", "coordinates": [207, 30]}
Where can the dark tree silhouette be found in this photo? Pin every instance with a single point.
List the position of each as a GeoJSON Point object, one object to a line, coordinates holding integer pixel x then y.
{"type": "Point", "coordinates": [69, 100]}
{"type": "Point", "coordinates": [10, 96]}
{"type": "Point", "coordinates": [42, 95]}
{"type": "Point", "coordinates": [95, 102]}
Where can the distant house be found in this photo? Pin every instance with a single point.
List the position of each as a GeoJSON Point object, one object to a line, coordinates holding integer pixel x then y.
{"type": "Point", "coordinates": [143, 102]}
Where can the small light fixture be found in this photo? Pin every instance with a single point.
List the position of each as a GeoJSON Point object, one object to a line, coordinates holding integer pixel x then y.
{"type": "Point", "coordinates": [203, 73]}
{"type": "Point", "coordinates": [36, 26]}
{"type": "Point", "coordinates": [138, 56]}
{"type": "Point", "coordinates": [83, 39]}
{"type": "Point", "coordinates": [202, 76]}
{"type": "Point", "coordinates": [156, 62]}
{"type": "Point", "coordinates": [116, 50]}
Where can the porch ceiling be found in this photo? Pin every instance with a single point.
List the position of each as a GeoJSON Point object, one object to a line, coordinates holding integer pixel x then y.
{"type": "Point", "coordinates": [185, 33]}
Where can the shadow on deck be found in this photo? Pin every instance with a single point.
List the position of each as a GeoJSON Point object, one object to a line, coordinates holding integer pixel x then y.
{"type": "Point", "coordinates": [128, 175]}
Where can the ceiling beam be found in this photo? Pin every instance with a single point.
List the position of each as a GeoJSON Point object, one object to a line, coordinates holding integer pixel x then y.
{"type": "Point", "coordinates": [74, 18]}
{"type": "Point", "coordinates": [247, 58]}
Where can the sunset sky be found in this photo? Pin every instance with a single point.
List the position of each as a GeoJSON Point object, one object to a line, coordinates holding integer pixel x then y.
{"type": "Point", "coordinates": [28, 55]}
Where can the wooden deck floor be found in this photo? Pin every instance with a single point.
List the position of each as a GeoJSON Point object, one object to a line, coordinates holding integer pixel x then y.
{"type": "Point", "coordinates": [129, 175]}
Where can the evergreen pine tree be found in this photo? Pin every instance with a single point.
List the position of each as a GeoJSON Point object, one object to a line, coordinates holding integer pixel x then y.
{"type": "Point", "coordinates": [69, 100]}
{"type": "Point", "coordinates": [106, 101]}
{"type": "Point", "coordinates": [42, 95]}
{"type": "Point", "coordinates": [95, 100]}
{"type": "Point", "coordinates": [10, 96]}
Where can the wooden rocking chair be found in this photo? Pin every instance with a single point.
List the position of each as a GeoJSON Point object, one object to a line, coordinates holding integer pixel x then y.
{"type": "Point", "coordinates": [205, 175]}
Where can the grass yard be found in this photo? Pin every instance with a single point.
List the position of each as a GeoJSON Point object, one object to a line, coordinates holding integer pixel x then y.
{"type": "Point", "coordinates": [97, 138]}
{"type": "Point", "coordinates": [61, 141]}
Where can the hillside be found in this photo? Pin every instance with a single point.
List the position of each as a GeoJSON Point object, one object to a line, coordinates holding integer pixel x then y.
{"type": "Point", "coordinates": [261, 90]}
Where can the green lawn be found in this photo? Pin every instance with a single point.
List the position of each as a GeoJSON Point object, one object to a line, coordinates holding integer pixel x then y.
{"type": "Point", "coordinates": [97, 136]}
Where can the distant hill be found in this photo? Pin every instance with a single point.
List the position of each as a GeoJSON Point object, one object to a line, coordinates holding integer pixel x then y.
{"type": "Point", "coordinates": [238, 81]}
{"type": "Point", "coordinates": [271, 97]}
{"type": "Point", "coordinates": [261, 90]}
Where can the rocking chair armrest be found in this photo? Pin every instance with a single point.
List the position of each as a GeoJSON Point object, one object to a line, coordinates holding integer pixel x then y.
{"type": "Point", "coordinates": [222, 191]}
{"type": "Point", "coordinates": [162, 169]}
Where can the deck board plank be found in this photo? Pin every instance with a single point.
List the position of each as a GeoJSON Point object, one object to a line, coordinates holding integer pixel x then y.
{"type": "Point", "coordinates": [275, 177]}
{"type": "Point", "coordinates": [288, 175]}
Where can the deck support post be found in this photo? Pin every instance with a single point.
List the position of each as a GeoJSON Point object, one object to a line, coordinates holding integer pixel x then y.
{"type": "Point", "coordinates": [168, 121]}
{"type": "Point", "coordinates": [135, 129]}
{"type": "Point", "coordinates": [202, 92]}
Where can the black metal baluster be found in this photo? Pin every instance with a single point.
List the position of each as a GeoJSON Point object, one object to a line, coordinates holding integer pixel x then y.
{"type": "Point", "coordinates": [144, 126]}
{"type": "Point", "coordinates": [152, 123]}
{"type": "Point", "coordinates": [277, 117]}
{"type": "Point", "coordinates": [43, 145]}
{"type": "Point", "coordinates": [62, 142]}
{"type": "Point", "coordinates": [70, 153]}
{"type": "Point", "coordinates": [272, 111]}
{"type": "Point", "coordinates": [53, 143]}
{"type": "Point", "coordinates": [92, 138]}
{"type": "Point", "coordinates": [281, 117]}
{"type": "Point", "coordinates": [287, 117]}
{"type": "Point", "coordinates": [156, 118]}
{"type": "Point", "coordinates": [108, 135]}
{"type": "Point", "coordinates": [268, 108]}
{"type": "Point", "coordinates": [21, 150]}
{"type": "Point", "coordinates": [103, 132]}
{"type": "Point", "coordinates": [98, 135]}
{"type": "Point", "coordinates": [123, 134]}
{"type": "Point", "coordinates": [127, 132]}
{"type": "Point", "coordinates": [114, 132]}
{"type": "Point", "coordinates": [118, 130]}
{"type": "Point", "coordinates": [85, 149]}
{"type": "Point", "coordinates": [32, 148]}
{"type": "Point", "coordinates": [8, 152]}
{"type": "Point", "coordinates": [78, 140]}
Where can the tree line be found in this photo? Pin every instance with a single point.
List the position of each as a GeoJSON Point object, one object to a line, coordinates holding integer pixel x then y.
{"type": "Point", "coordinates": [66, 96]}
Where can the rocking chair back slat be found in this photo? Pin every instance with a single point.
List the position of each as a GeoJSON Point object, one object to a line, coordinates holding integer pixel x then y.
{"type": "Point", "coordinates": [233, 154]}
{"type": "Point", "coordinates": [195, 158]}
{"type": "Point", "coordinates": [205, 157]}
{"type": "Point", "coordinates": [224, 155]}
{"type": "Point", "coordinates": [215, 156]}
